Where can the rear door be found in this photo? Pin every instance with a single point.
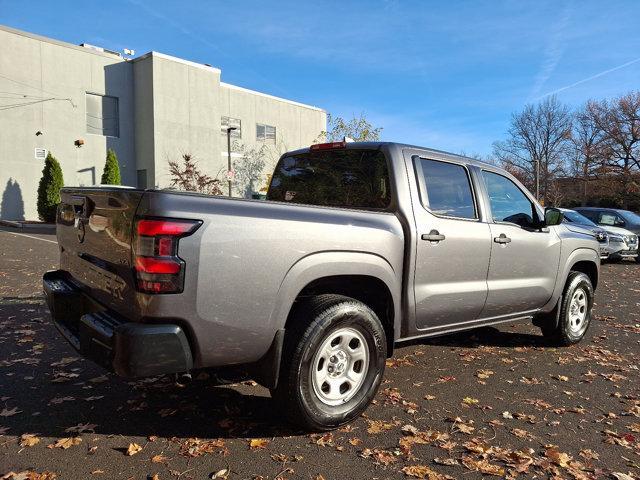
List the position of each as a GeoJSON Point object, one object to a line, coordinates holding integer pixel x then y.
{"type": "Point", "coordinates": [94, 229]}
{"type": "Point", "coordinates": [524, 259]}
{"type": "Point", "coordinates": [453, 246]}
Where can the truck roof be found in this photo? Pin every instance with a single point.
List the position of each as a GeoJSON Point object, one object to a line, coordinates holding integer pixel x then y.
{"type": "Point", "coordinates": [402, 146]}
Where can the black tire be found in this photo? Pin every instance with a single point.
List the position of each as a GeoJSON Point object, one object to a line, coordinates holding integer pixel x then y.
{"type": "Point", "coordinates": [570, 329]}
{"type": "Point", "coordinates": [638, 259]}
{"type": "Point", "coordinates": [312, 325]}
{"type": "Point", "coordinates": [617, 259]}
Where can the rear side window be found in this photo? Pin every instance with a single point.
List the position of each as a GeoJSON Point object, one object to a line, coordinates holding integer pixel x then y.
{"type": "Point", "coordinates": [448, 189]}
{"type": "Point", "coordinates": [335, 178]}
{"type": "Point", "coordinates": [611, 218]}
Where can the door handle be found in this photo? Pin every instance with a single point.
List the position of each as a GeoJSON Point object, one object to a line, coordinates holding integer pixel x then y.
{"type": "Point", "coordinates": [502, 239]}
{"type": "Point", "coordinates": [433, 236]}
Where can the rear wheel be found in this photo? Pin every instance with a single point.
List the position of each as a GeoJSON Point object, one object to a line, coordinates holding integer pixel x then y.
{"type": "Point", "coordinates": [574, 317]}
{"type": "Point", "coordinates": [333, 362]}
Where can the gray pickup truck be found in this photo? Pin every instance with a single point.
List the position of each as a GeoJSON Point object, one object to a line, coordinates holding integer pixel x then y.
{"type": "Point", "coordinates": [357, 248]}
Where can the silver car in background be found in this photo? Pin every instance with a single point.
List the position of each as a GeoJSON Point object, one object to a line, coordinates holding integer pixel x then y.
{"type": "Point", "coordinates": [617, 243]}
{"type": "Point", "coordinates": [575, 219]}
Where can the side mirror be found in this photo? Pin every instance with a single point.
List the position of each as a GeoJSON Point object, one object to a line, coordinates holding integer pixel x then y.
{"type": "Point", "coordinates": [553, 216]}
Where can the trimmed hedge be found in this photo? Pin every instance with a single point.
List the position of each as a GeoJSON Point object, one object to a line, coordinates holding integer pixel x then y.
{"type": "Point", "coordinates": [49, 189]}
{"type": "Point", "coordinates": [111, 174]}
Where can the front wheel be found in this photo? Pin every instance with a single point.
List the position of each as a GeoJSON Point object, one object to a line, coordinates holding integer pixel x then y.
{"type": "Point", "coordinates": [333, 362]}
{"type": "Point", "coordinates": [575, 311]}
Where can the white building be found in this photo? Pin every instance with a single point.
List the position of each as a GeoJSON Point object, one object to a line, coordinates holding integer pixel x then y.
{"type": "Point", "coordinates": [79, 101]}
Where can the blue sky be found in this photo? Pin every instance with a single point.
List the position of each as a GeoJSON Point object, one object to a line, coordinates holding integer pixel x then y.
{"type": "Point", "coordinates": [441, 74]}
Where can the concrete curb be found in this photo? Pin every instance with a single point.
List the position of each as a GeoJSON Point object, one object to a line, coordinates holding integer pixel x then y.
{"type": "Point", "coordinates": [46, 227]}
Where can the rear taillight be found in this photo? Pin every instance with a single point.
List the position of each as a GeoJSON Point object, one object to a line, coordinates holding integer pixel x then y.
{"type": "Point", "coordinates": [158, 267]}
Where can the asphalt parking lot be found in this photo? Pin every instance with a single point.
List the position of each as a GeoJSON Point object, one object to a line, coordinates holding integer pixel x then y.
{"type": "Point", "coordinates": [491, 402]}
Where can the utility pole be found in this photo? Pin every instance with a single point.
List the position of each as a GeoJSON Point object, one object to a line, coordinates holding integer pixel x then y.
{"type": "Point", "coordinates": [229, 130]}
{"type": "Point", "coordinates": [538, 179]}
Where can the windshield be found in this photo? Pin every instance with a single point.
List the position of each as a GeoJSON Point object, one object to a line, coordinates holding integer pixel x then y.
{"type": "Point", "coordinates": [630, 217]}
{"type": "Point", "coordinates": [574, 217]}
{"type": "Point", "coordinates": [337, 178]}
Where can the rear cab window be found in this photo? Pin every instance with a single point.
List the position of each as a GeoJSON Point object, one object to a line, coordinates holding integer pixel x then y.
{"type": "Point", "coordinates": [446, 189]}
{"type": "Point", "coordinates": [348, 178]}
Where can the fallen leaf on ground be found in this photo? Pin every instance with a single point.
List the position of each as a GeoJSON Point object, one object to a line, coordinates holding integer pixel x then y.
{"type": "Point", "coordinates": [29, 440]}
{"type": "Point", "coordinates": [65, 443]}
{"type": "Point", "coordinates": [9, 412]}
{"type": "Point", "coordinates": [132, 449]}
{"type": "Point", "coordinates": [258, 443]}
{"type": "Point", "coordinates": [482, 466]}
{"type": "Point", "coordinates": [559, 458]}
{"type": "Point", "coordinates": [422, 471]}
{"type": "Point", "coordinates": [82, 428]}
{"type": "Point", "coordinates": [29, 475]}
{"type": "Point", "coordinates": [379, 426]}
{"type": "Point", "coordinates": [224, 473]}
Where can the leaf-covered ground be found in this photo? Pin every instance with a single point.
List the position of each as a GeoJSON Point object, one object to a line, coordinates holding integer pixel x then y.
{"type": "Point", "coordinates": [491, 402]}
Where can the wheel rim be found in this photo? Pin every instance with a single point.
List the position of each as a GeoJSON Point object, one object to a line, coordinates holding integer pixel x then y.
{"type": "Point", "coordinates": [340, 366]}
{"type": "Point", "coordinates": [578, 309]}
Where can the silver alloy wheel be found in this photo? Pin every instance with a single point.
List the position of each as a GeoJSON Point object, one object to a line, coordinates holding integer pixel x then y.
{"type": "Point", "coordinates": [578, 312]}
{"type": "Point", "coordinates": [340, 366]}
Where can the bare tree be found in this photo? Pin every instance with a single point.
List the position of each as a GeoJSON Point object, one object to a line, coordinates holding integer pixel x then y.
{"type": "Point", "coordinates": [555, 194]}
{"type": "Point", "coordinates": [619, 123]}
{"type": "Point", "coordinates": [358, 128]}
{"type": "Point", "coordinates": [537, 143]}
{"type": "Point", "coordinates": [185, 175]}
{"type": "Point", "coordinates": [249, 168]}
{"type": "Point", "coordinates": [589, 149]}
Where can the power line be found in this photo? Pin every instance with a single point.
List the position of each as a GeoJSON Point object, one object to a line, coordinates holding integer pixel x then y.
{"type": "Point", "coordinates": [27, 85]}
{"type": "Point", "coordinates": [15, 95]}
{"type": "Point", "coordinates": [25, 104]}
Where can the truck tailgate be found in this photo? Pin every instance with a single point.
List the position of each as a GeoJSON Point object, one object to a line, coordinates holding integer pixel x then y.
{"type": "Point", "coordinates": [95, 229]}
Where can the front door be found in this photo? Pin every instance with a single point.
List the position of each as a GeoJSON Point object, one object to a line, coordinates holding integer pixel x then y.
{"type": "Point", "coordinates": [524, 260]}
{"type": "Point", "coordinates": [453, 246]}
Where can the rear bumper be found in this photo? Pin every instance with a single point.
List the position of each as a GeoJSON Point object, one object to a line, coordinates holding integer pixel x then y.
{"type": "Point", "coordinates": [126, 348]}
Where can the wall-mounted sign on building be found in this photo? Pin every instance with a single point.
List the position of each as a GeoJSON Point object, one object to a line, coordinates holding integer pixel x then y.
{"type": "Point", "coordinates": [40, 153]}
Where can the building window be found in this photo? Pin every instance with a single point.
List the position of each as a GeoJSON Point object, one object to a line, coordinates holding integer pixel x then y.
{"type": "Point", "coordinates": [265, 133]}
{"type": "Point", "coordinates": [227, 122]}
{"type": "Point", "coordinates": [102, 115]}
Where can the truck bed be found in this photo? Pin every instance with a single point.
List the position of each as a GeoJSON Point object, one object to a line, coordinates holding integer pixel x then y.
{"type": "Point", "coordinates": [242, 265]}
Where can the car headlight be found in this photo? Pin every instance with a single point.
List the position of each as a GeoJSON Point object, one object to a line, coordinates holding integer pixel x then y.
{"type": "Point", "coordinates": [630, 239]}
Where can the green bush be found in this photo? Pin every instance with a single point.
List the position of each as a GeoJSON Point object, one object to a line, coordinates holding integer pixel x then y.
{"type": "Point", "coordinates": [49, 189]}
{"type": "Point", "coordinates": [111, 174]}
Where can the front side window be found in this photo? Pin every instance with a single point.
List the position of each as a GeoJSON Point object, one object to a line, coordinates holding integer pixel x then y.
{"type": "Point", "coordinates": [102, 115]}
{"type": "Point", "coordinates": [592, 215]}
{"type": "Point", "coordinates": [631, 217]}
{"type": "Point", "coordinates": [265, 133]}
{"type": "Point", "coordinates": [347, 178]}
{"type": "Point", "coordinates": [508, 203]}
{"type": "Point", "coordinates": [226, 122]}
{"type": "Point", "coordinates": [448, 189]}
